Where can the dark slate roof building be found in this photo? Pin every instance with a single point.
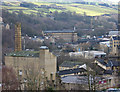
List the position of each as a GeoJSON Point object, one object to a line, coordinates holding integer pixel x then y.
{"type": "Point", "coordinates": [70, 64]}
{"type": "Point", "coordinates": [113, 64]}
{"type": "Point", "coordinates": [102, 61]}
{"type": "Point", "coordinates": [116, 37]}
{"type": "Point", "coordinates": [110, 63]}
{"type": "Point", "coordinates": [59, 31]}
{"type": "Point", "coordinates": [108, 72]}
{"type": "Point", "coordinates": [71, 71]}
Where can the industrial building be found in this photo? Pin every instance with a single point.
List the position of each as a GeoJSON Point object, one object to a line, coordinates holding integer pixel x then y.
{"type": "Point", "coordinates": [66, 35]}
{"type": "Point", "coordinates": [38, 60]}
{"type": "Point", "coordinates": [31, 65]}
{"type": "Point", "coordinates": [114, 42]}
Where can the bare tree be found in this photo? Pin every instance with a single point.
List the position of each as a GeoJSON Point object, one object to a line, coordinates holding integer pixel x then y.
{"type": "Point", "coordinates": [9, 79]}
{"type": "Point", "coordinates": [34, 78]}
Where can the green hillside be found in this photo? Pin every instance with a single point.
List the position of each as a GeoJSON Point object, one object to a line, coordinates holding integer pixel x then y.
{"type": "Point", "coordinates": [47, 8]}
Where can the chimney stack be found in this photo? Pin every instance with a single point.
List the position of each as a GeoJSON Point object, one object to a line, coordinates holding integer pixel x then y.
{"type": "Point", "coordinates": [18, 45]}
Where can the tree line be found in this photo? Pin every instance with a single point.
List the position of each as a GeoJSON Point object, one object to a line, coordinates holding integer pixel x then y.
{"type": "Point", "coordinates": [35, 24]}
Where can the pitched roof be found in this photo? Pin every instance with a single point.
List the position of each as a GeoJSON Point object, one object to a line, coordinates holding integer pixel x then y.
{"type": "Point", "coordinates": [108, 72]}
{"type": "Point", "coordinates": [109, 63]}
{"type": "Point", "coordinates": [75, 79]}
{"type": "Point", "coordinates": [113, 63]}
{"type": "Point", "coordinates": [102, 62]}
{"type": "Point", "coordinates": [71, 71]}
{"type": "Point", "coordinates": [70, 64]}
{"type": "Point", "coordinates": [116, 37]}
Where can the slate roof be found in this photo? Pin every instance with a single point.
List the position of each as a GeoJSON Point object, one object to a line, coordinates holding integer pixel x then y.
{"type": "Point", "coordinates": [70, 64]}
{"type": "Point", "coordinates": [79, 79]}
{"type": "Point", "coordinates": [116, 37]}
{"type": "Point", "coordinates": [75, 79]}
{"type": "Point", "coordinates": [113, 63]}
{"type": "Point", "coordinates": [102, 61]}
{"type": "Point", "coordinates": [59, 31]}
{"type": "Point", "coordinates": [71, 71]}
{"type": "Point", "coordinates": [109, 63]}
{"type": "Point", "coordinates": [113, 33]}
{"type": "Point", "coordinates": [108, 72]}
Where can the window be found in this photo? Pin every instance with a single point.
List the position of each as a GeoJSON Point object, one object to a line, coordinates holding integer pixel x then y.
{"type": "Point", "coordinates": [20, 72]}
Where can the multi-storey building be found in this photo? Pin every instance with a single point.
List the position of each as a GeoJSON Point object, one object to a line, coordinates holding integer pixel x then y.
{"type": "Point", "coordinates": [33, 63]}
{"type": "Point", "coordinates": [66, 35]}
{"type": "Point", "coordinates": [114, 45]}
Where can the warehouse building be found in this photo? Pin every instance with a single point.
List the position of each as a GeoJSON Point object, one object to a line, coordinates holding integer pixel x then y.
{"type": "Point", "coordinates": [35, 62]}
{"type": "Point", "coordinates": [66, 35]}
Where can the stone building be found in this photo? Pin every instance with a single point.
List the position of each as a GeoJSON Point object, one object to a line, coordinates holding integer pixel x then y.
{"type": "Point", "coordinates": [114, 45]}
{"type": "Point", "coordinates": [36, 63]}
{"type": "Point", "coordinates": [66, 35]}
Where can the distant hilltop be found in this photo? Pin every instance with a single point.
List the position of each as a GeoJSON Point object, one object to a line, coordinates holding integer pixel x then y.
{"type": "Point", "coordinates": [68, 1]}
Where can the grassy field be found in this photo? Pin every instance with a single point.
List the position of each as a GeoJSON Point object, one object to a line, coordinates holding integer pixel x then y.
{"type": "Point", "coordinates": [90, 10]}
